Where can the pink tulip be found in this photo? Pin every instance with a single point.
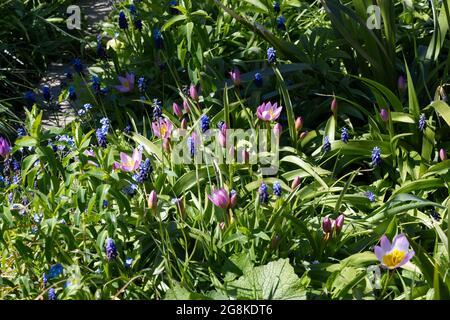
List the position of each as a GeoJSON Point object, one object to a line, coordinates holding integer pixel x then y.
{"type": "Point", "coordinates": [221, 198]}
{"type": "Point", "coordinates": [295, 182]}
{"type": "Point", "coordinates": [166, 144]}
{"type": "Point", "coordinates": [327, 225]}
{"type": "Point", "coordinates": [162, 128]}
{"type": "Point", "coordinates": [245, 156]}
{"type": "Point", "coordinates": [183, 124]}
{"type": "Point", "coordinates": [277, 130]}
{"type": "Point", "coordinates": [130, 163]}
{"type": "Point", "coordinates": [268, 111]}
{"type": "Point", "coordinates": [152, 200]}
{"type": "Point", "coordinates": [299, 123]}
{"type": "Point", "coordinates": [223, 135]}
{"type": "Point", "coordinates": [339, 222]}
{"type": "Point", "coordinates": [384, 115]}
{"type": "Point", "coordinates": [193, 92]}
{"type": "Point", "coordinates": [126, 83]}
{"type": "Point", "coordinates": [177, 110]}
{"type": "Point", "coordinates": [401, 83]}
{"type": "Point", "coordinates": [334, 105]}
{"type": "Point", "coordinates": [442, 154]}
{"type": "Point", "coordinates": [186, 106]}
{"type": "Point", "coordinates": [235, 75]}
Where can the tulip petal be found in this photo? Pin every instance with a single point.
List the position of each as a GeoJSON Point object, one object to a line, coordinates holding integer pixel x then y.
{"type": "Point", "coordinates": [385, 243]}
{"type": "Point", "coordinates": [379, 252]}
{"type": "Point", "coordinates": [407, 257]}
{"type": "Point", "coordinates": [400, 242]}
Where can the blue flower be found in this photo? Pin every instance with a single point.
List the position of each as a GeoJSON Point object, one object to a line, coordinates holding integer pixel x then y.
{"type": "Point", "coordinates": [277, 189]}
{"type": "Point", "coordinates": [51, 294]}
{"type": "Point", "coordinates": [158, 38]}
{"type": "Point", "coordinates": [326, 145]}
{"type": "Point", "coordinates": [435, 215]}
{"type": "Point", "coordinates": [157, 109]}
{"type": "Point", "coordinates": [173, 11]}
{"type": "Point", "coordinates": [276, 7]}
{"type": "Point", "coordinates": [130, 189]}
{"type": "Point", "coordinates": [15, 165]}
{"type": "Point", "coordinates": [87, 106]}
{"type": "Point", "coordinates": [44, 279]}
{"type": "Point", "coordinates": [422, 122]}
{"type": "Point", "coordinates": [271, 55]}
{"type": "Point", "coordinates": [258, 80]}
{"type": "Point", "coordinates": [128, 262]}
{"type": "Point", "coordinates": [344, 135]}
{"type": "Point", "coordinates": [204, 120]}
{"type": "Point", "coordinates": [263, 193]}
{"type": "Point", "coordinates": [30, 98]}
{"type": "Point", "coordinates": [37, 218]}
{"type": "Point", "coordinates": [142, 84]}
{"type": "Point", "coordinates": [281, 20]}
{"type": "Point", "coordinates": [110, 248]}
{"type": "Point", "coordinates": [191, 145]}
{"type": "Point", "coordinates": [21, 132]}
{"type": "Point", "coordinates": [370, 196]}
{"type": "Point", "coordinates": [96, 85]}
{"type": "Point", "coordinates": [77, 65]}
{"type": "Point", "coordinates": [376, 156]}
{"type": "Point", "coordinates": [102, 132]}
{"type": "Point", "coordinates": [127, 129]}
{"type": "Point", "coordinates": [220, 125]}
{"type": "Point", "coordinates": [123, 23]}
{"type": "Point", "coordinates": [133, 10]}
{"type": "Point", "coordinates": [72, 93]}
{"type": "Point", "coordinates": [55, 271]}
{"type": "Point", "coordinates": [46, 93]}
{"type": "Point", "coordinates": [145, 170]}
{"type": "Point", "coordinates": [138, 24]}
{"type": "Point", "coordinates": [105, 204]}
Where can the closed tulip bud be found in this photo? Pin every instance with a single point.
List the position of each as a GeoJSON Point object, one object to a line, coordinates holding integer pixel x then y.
{"type": "Point", "coordinates": [277, 130]}
{"type": "Point", "coordinates": [327, 225]}
{"type": "Point", "coordinates": [299, 123]}
{"type": "Point", "coordinates": [245, 156]}
{"type": "Point", "coordinates": [5, 147]}
{"type": "Point", "coordinates": [303, 135]}
{"type": "Point", "coordinates": [232, 152]}
{"type": "Point", "coordinates": [166, 144]}
{"type": "Point", "coordinates": [295, 183]}
{"type": "Point", "coordinates": [334, 105]}
{"type": "Point", "coordinates": [184, 124]}
{"type": "Point", "coordinates": [233, 198]}
{"type": "Point", "coordinates": [384, 115]}
{"type": "Point", "coordinates": [222, 139]}
{"type": "Point", "coordinates": [193, 92]}
{"type": "Point", "coordinates": [236, 77]}
{"type": "Point", "coordinates": [339, 223]}
{"type": "Point", "coordinates": [152, 200]}
{"type": "Point", "coordinates": [177, 110]}
{"type": "Point", "coordinates": [186, 106]}
{"type": "Point", "coordinates": [442, 154]}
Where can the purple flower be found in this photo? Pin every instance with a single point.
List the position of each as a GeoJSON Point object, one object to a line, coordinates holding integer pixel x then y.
{"type": "Point", "coordinates": [326, 145]}
{"type": "Point", "coordinates": [5, 147]}
{"type": "Point", "coordinates": [442, 154]}
{"type": "Point", "coordinates": [376, 156]}
{"type": "Point", "coordinates": [235, 75]}
{"type": "Point", "coordinates": [344, 135]}
{"type": "Point", "coordinates": [277, 189]}
{"type": "Point", "coordinates": [384, 115]}
{"type": "Point", "coordinates": [123, 23]}
{"type": "Point", "coordinates": [158, 38]}
{"type": "Point", "coordinates": [327, 225]}
{"type": "Point", "coordinates": [142, 84]}
{"type": "Point", "coordinates": [204, 120]}
{"type": "Point", "coordinates": [422, 122]}
{"type": "Point", "coordinates": [393, 255]}
{"type": "Point", "coordinates": [126, 83]}
{"type": "Point", "coordinates": [110, 248]}
{"type": "Point", "coordinates": [268, 111]}
{"type": "Point", "coordinates": [271, 55]}
{"type": "Point", "coordinates": [281, 20]}
{"type": "Point", "coordinates": [145, 170]}
{"type": "Point", "coordinates": [220, 198]}
{"type": "Point", "coordinates": [370, 196]}
{"type": "Point", "coordinates": [51, 294]}
{"type": "Point", "coordinates": [55, 271]}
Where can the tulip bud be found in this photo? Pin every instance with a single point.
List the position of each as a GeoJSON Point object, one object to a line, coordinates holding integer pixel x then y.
{"type": "Point", "coordinates": [339, 222]}
{"type": "Point", "coordinates": [334, 106]}
{"type": "Point", "coordinates": [193, 92]}
{"type": "Point", "coordinates": [183, 124]}
{"type": "Point", "coordinates": [442, 154]}
{"type": "Point", "coordinates": [222, 226]}
{"type": "Point", "coordinates": [152, 200]}
{"type": "Point", "coordinates": [232, 153]}
{"type": "Point", "coordinates": [384, 115]}
{"type": "Point", "coordinates": [236, 77]}
{"type": "Point", "coordinates": [299, 123]}
{"type": "Point", "coordinates": [5, 147]}
{"type": "Point", "coordinates": [166, 144]}
{"type": "Point", "coordinates": [401, 83]}
{"type": "Point", "coordinates": [222, 139]}
{"type": "Point", "coordinates": [303, 135]}
{"type": "Point", "coordinates": [295, 183]}
{"type": "Point", "coordinates": [177, 110]}
{"type": "Point", "coordinates": [186, 106]}
{"type": "Point", "coordinates": [245, 156]}
{"type": "Point", "coordinates": [277, 130]}
{"type": "Point", "coordinates": [233, 198]}
{"type": "Point", "coordinates": [115, 166]}
{"type": "Point", "coordinates": [327, 225]}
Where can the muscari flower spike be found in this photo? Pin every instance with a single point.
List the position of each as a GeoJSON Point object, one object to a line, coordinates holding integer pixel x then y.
{"type": "Point", "coordinates": [277, 189]}
{"type": "Point", "coordinates": [110, 248]}
{"type": "Point", "coordinates": [370, 196]}
{"type": "Point", "coordinates": [77, 65]}
{"type": "Point", "coordinates": [263, 193]}
{"type": "Point", "coordinates": [422, 122]}
{"type": "Point", "coordinates": [326, 145]}
{"type": "Point", "coordinates": [123, 23]}
{"type": "Point", "coordinates": [271, 55]}
{"type": "Point", "coordinates": [51, 294]}
{"type": "Point", "coordinates": [204, 123]}
{"type": "Point", "coordinates": [376, 156]}
{"type": "Point", "coordinates": [258, 80]}
{"type": "Point", "coordinates": [281, 20]}
{"type": "Point", "coordinates": [344, 135]}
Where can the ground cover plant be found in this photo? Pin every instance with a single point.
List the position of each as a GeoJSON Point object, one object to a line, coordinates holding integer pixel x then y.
{"type": "Point", "coordinates": [239, 150]}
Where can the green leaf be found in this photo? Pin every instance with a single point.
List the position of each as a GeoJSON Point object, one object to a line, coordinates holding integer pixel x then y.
{"type": "Point", "coordinates": [274, 281]}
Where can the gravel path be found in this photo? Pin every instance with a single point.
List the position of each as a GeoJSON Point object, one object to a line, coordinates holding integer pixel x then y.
{"type": "Point", "coordinates": [92, 13]}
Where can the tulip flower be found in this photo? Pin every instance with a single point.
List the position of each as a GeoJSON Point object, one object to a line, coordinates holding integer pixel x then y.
{"type": "Point", "coordinates": [186, 106]}
{"type": "Point", "coordinates": [221, 198]}
{"type": "Point", "coordinates": [268, 111]}
{"type": "Point", "coordinates": [132, 163]}
{"type": "Point", "coordinates": [384, 115]}
{"type": "Point", "coordinates": [126, 83]}
{"type": "Point", "coordinates": [223, 135]}
{"type": "Point", "coordinates": [339, 222]}
{"type": "Point", "coordinates": [177, 110]}
{"type": "Point", "coordinates": [442, 154]}
{"type": "Point", "coordinates": [327, 225]}
{"type": "Point", "coordinates": [193, 92]}
{"type": "Point", "coordinates": [162, 128]}
{"type": "Point", "coordinates": [277, 130]}
{"type": "Point", "coordinates": [183, 124]}
{"type": "Point", "coordinates": [5, 147]}
{"type": "Point", "coordinates": [303, 135]}
{"type": "Point", "coordinates": [152, 200]}
{"type": "Point", "coordinates": [236, 77]}
{"type": "Point", "coordinates": [334, 106]}
{"type": "Point", "coordinates": [295, 183]}
{"type": "Point", "coordinates": [299, 123]}
{"type": "Point", "coordinates": [393, 255]}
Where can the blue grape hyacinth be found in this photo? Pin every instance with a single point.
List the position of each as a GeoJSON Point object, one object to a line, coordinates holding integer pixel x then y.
{"type": "Point", "coordinates": [110, 248]}
{"type": "Point", "coordinates": [376, 156]}
{"type": "Point", "coordinates": [204, 123]}
{"type": "Point", "coordinates": [123, 23]}
{"type": "Point", "coordinates": [277, 189]}
{"type": "Point", "coordinates": [344, 135]}
{"type": "Point", "coordinates": [271, 55]}
{"type": "Point", "coordinates": [51, 294]}
{"type": "Point", "coordinates": [276, 7]}
{"type": "Point", "coordinates": [263, 193]}
{"type": "Point", "coordinates": [422, 122]}
{"type": "Point", "coordinates": [258, 80]}
{"type": "Point", "coordinates": [326, 145]}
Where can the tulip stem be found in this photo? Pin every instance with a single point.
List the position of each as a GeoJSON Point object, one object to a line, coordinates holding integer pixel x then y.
{"type": "Point", "coordinates": [391, 273]}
